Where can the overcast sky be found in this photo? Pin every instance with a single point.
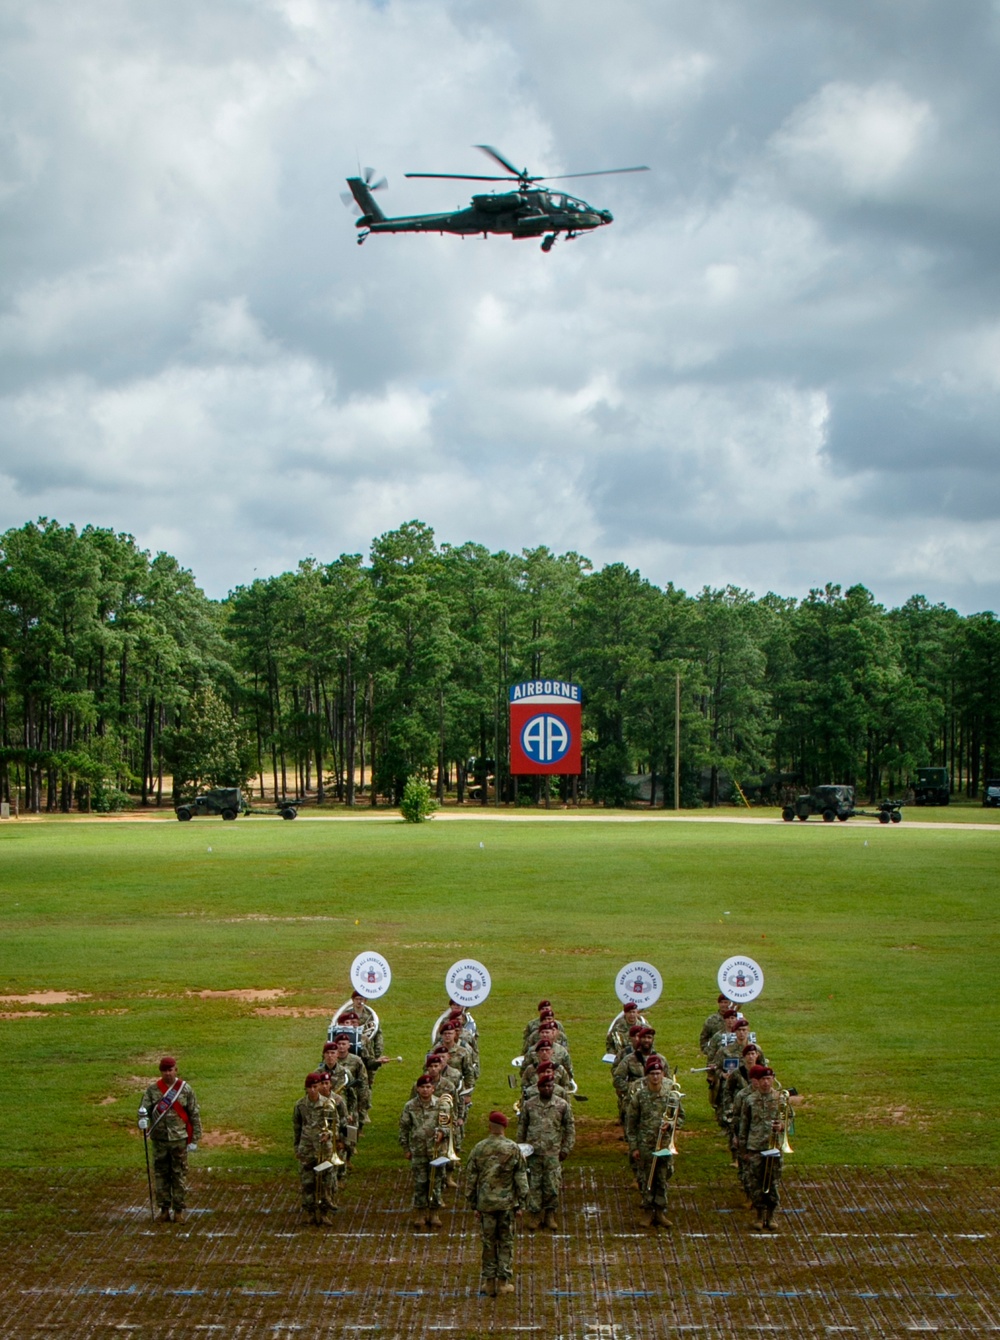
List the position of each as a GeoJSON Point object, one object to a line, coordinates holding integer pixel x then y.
{"type": "Point", "coordinates": [779, 367]}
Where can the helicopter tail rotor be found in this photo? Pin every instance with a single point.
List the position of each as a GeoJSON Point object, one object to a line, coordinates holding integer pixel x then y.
{"type": "Point", "coordinates": [360, 199]}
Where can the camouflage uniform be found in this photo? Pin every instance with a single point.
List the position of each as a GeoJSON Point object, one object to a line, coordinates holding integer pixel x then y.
{"type": "Point", "coordinates": [560, 1057]}
{"type": "Point", "coordinates": [308, 1122]}
{"type": "Point", "coordinates": [547, 1125]}
{"type": "Point", "coordinates": [530, 1035]}
{"type": "Point", "coordinates": [709, 1028]}
{"type": "Point", "coordinates": [169, 1139]}
{"type": "Point", "coordinates": [643, 1120]}
{"type": "Point", "coordinates": [630, 1070]}
{"type": "Point", "coordinates": [732, 1049]}
{"type": "Point", "coordinates": [529, 1072]}
{"type": "Point", "coordinates": [758, 1114]}
{"type": "Point", "coordinates": [356, 1091]}
{"type": "Point", "coordinates": [497, 1187]}
{"type": "Point", "coordinates": [419, 1135]}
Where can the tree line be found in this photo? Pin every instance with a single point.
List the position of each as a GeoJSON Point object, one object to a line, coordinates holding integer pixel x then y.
{"type": "Point", "coordinates": [120, 678]}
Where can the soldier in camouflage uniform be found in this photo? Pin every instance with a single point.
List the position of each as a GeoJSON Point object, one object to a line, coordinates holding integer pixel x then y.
{"type": "Point", "coordinates": [374, 1046]}
{"type": "Point", "coordinates": [497, 1187]}
{"type": "Point", "coordinates": [717, 1040]}
{"type": "Point", "coordinates": [531, 1068]}
{"type": "Point", "coordinates": [459, 1055]}
{"type": "Point", "coordinates": [736, 1091]}
{"type": "Point", "coordinates": [632, 1067]}
{"type": "Point", "coordinates": [618, 1033]}
{"type": "Point", "coordinates": [169, 1112]}
{"type": "Point", "coordinates": [422, 1140]}
{"type": "Point", "coordinates": [713, 1024]}
{"type": "Point", "coordinates": [315, 1133]}
{"type": "Point", "coordinates": [446, 1081]}
{"type": "Point", "coordinates": [731, 1051]}
{"type": "Point", "coordinates": [761, 1129]}
{"type": "Point", "coordinates": [644, 1119]}
{"type": "Point", "coordinates": [341, 1062]}
{"type": "Point", "coordinates": [560, 1053]}
{"type": "Point", "coordinates": [546, 1019]}
{"type": "Point", "coordinates": [545, 1123]}
{"type": "Point", "coordinates": [340, 1120]}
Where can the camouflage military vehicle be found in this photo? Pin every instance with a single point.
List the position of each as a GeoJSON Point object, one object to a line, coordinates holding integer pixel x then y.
{"type": "Point", "coordinates": [832, 802]}
{"type": "Point", "coordinates": [932, 787]}
{"type": "Point", "coordinates": [837, 802]}
{"type": "Point", "coordinates": [225, 800]}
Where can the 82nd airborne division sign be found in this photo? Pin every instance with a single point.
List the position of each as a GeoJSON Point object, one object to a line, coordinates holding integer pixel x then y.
{"type": "Point", "coordinates": [545, 728]}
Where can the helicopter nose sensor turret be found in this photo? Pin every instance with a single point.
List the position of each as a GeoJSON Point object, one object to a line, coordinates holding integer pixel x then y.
{"type": "Point", "coordinates": [606, 216]}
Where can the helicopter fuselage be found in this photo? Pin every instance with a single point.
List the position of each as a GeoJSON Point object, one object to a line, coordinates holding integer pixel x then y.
{"type": "Point", "coordinates": [530, 213]}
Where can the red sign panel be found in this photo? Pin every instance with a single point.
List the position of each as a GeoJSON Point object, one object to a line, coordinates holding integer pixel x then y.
{"type": "Point", "coordinates": [545, 728]}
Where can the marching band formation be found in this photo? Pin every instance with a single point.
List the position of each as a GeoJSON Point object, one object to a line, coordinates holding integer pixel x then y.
{"type": "Point", "coordinates": [506, 1180]}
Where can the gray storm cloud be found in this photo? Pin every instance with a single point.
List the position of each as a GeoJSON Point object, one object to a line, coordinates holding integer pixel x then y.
{"type": "Point", "coordinates": [779, 367]}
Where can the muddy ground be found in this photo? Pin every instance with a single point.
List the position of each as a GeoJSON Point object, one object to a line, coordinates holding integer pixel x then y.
{"type": "Point", "coordinates": [869, 1253]}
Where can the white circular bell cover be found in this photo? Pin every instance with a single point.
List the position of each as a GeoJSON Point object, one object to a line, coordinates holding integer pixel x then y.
{"type": "Point", "coordinates": [467, 982]}
{"type": "Point", "coordinates": [741, 979]}
{"type": "Point", "coordinates": [639, 982]}
{"type": "Point", "coordinates": [371, 975]}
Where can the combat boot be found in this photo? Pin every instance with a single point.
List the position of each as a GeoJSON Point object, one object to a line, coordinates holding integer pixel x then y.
{"type": "Point", "coordinates": [769, 1227]}
{"type": "Point", "coordinates": [549, 1221]}
{"type": "Point", "coordinates": [530, 1221]}
{"type": "Point", "coordinates": [180, 1216]}
{"type": "Point", "coordinates": [647, 1217]}
{"type": "Point", "coordinates": [419, 1220]}
{"type": "Point", "coordinates": [660, 1218]}
{"type": "Point", "coordinates": [489, 1288]}
{"type": "Point", "coordinates": [450, 1181]}
{"type": "Point", "coordinates": [434, 1220]}
{"type": "Point", "coordinates": [505, 1286]}
{"type": "Point", "coordinates": [164, 1216]}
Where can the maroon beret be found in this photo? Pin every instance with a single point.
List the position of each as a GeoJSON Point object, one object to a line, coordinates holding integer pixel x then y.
{"type": "Point", "coordinates": [543, 1042]}
{"type": "Point", "coordinates": [167, 1063]}
{"type": "Point", "coordinates": [346, 1017]}
{"type": "Point", "coordinates": [654, 1063]}
{"type": "Point", "coordinates": [629, 1006]}
{"type": "Point", "coordinates": [544, 1004]}
{"type": "Point", "coordinates": [722, 1000]}
{"type": "Point", "coordinates": [741, 1023]}
{"type": "Point", "coordinates": [426, 1079]}
{"type": "Point", "coordinates": [750, 1047]}
{"type": "Point", "coordinates": [545, 1068]}
{"type": "Point", "coordinates": [434, 1056]}
{"type": "Point", "coordinates": [456, 1011]}
{"type": "Point", "coordinates": [449, 1026]}
{"type": "Point", "coordinates": [312, 1078]}
{"type": "Point", "coordinates": [329, 1047]}
{"type": "Point", "coordinates": [758, 1071]}
{"type": "Point", "coordinates": [647, 1031]}
{"type": "Point", "coordinates": [548, 1025]}
{"type": "Point", "coordinates": [767, 1070]}
{"type": "Point", "coordinates": [498, 1118]}
{"type": "Point", "coordinates": [337, 1037]}
{"type": "Point", "coordinates": [636, 1028]}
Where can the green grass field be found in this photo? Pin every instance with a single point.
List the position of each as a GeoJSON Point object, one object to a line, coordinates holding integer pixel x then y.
{"type": "Point", "coordinates": [878, 947]}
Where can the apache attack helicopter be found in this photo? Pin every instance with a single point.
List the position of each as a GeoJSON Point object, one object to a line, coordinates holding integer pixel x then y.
{"type": "Point", "coordinates": [528, 211]}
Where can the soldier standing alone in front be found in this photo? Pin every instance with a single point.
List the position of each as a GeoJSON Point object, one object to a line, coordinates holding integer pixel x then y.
{"type": "Point", "coordinates": [169, 1112]}
{"type": "Point", "coordinates": [497, 1187]}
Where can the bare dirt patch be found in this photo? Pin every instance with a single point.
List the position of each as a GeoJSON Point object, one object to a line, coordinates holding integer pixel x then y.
{"type": "Point", "coordinates": [23, 1014]}
{"type": "Point", "coordinates": [892, 1115]}
{"type": "Point", "coordinates": [106, 1012]}
{"type": "Point", "coordinates": [221, 1139]}
{"type": "Point", "coordinates": [595, 1133]}
{"type": "Point", "coordinates": [106, 1102]}
{"type": "Point", "coordinates": [291, 1012]}
{"type": "Point", "coordinates": [46, 998]}
{"type": "Point", "coordinates": [245, 997]}
{"type": "Point", "coordinates": [261, 916]}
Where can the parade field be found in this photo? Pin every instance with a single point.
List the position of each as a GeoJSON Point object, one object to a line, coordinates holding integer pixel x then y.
{"type": "Point", "coordinates": [229, 946]}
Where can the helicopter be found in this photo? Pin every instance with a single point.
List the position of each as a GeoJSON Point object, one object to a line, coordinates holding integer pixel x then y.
{"type": "Point", "coordinates": [527, 210]}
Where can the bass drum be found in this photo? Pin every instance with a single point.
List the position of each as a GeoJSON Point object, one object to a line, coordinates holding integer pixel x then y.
{"type": "Point", "coordinates": [367, 1029]}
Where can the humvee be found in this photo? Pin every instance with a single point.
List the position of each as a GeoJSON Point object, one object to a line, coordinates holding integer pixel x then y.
{"type": "Point", "coordinates": [837, 802]}
{"type": "Point", "coordinates": [225, 800]}
{"type": "Point", "coordinates": [991, 793]}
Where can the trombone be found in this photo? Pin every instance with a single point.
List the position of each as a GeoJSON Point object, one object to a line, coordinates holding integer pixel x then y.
{"type": "Point", "coordinates": [333, 1160]}
{"type": "Point", "coordinates": [779, 1140]}
{"type": "Point", "coordinates": [667, 1131]}
{"type": "Point", "coordinates": [445, 1122]}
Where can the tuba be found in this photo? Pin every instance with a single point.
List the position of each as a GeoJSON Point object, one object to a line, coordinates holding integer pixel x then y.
{"type": "Point", "coordinates": [367, 1030]}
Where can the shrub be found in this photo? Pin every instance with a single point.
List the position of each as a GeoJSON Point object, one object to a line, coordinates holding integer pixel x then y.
{"type": "Point", "coordinates": [416, 805]}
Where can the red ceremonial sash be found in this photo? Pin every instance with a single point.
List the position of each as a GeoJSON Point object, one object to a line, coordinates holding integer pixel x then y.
{"type": "Point", "coordinates": [171, 1092]}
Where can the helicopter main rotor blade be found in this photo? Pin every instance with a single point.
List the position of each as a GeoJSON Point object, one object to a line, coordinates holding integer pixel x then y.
{"type": "Point", "coordinates": [603, 172]}
{"type": "Point", "coordinates": [498, 157]}
{"type": "Point", "coordinates": [455, 176]}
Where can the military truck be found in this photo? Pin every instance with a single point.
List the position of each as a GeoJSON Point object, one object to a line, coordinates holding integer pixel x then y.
{"type": "Point", "coordinates": [837, 802]}
{"type": "Point", "coordinates": [225, 800]}
{"type": "Point", "coordinates": [991, 793]}
{"type": "Point", "coordinates": [932, 787]}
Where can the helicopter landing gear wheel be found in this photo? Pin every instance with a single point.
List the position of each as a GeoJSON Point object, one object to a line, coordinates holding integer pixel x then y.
{"type": "Point", "coordinates": [549, 241]}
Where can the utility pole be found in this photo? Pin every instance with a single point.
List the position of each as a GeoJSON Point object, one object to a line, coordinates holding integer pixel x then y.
{"type": "Point", "coordinates": [677, 744]}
